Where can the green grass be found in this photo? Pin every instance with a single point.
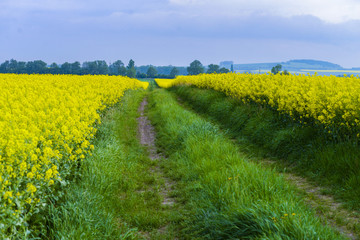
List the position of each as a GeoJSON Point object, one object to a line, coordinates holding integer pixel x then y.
{"type": "Point", "coordinates": [226, 196]}
{"type": "Point", "coordinates": [304, 149]}
{"type": "Point", "coordinates": [117, 195]}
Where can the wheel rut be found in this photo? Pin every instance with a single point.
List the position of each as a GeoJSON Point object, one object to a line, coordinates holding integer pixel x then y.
{"type": "Point", "coordinates": [147, 137]}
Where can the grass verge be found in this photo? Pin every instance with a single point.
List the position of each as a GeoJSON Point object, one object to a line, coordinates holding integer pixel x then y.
{"type": "Point", "coordinates": [305, 150]}
{"type": "Point", "coordinates": [117, 195]}
{"type": "Point", "coordinates": [225, 195]}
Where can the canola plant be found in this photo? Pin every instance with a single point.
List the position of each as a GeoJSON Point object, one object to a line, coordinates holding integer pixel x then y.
{"type": "Point", "coordinates": [47, 123]}
{"type": "Point", "coordinates": [328, 101]}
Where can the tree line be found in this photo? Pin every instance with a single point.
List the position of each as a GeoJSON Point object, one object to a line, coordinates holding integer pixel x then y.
{"type": "Point", "coordinates": [196, 68]}
{"type": "Point", "coordinates": [100, 67]}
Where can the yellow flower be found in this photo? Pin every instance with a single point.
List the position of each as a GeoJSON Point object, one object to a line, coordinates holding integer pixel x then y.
{"type": "Point", "coordinates": [44, 119]}
{"type": "Point", "coordinates": [8, 194]}
{"type": "Point", "coordinates": [31, 188]}
{"type": "Point", "coordinates": [329, 101]}
{"type": "Point", "coordinates": [30, 175]}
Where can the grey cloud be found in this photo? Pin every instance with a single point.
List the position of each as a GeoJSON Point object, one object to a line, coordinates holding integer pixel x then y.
{"type": "Point", "coordinates": [158, 33]}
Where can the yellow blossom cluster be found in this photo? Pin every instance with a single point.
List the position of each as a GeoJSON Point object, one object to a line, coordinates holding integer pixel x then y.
{"type": "Point", "coordinates": [333, 102]}
{"type": "Point", "coordinates": [164, 83]}
{"type": "Point", "coordinates": [46, 125]}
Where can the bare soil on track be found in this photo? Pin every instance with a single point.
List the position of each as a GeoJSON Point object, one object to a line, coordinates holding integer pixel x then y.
{"type": "Point", "coordinates": [147, 137]}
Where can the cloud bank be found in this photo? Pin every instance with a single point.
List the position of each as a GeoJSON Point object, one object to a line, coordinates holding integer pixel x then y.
{"type": "Point", "coordinates": [178, 31]}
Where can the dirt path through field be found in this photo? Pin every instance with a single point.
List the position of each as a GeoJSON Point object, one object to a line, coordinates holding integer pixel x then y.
{"type": "Point", "coordinates": [147, 132]}
{"type": "Point", "coordinates": [147, 137]}
{"type": "Point", "coordinates": [326, 206]}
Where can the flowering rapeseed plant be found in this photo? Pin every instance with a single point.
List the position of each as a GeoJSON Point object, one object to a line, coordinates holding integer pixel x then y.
{"type": "Point", "coordinates": [46, 125]}
{"type": "Point", "coordinates": [164, 83]}
{"type": "Point", "coordinates": [329, 101]}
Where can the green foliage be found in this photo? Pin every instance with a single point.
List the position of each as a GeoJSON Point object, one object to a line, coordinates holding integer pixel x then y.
{"type": "Point", "coordinates": [151, 72]}
{"type": "Point", "coordinates": [96, 67]}
{"type": "Point", "coordinates": [89, 67]}
{"type": "Point", "coordinates": [131, 71]}
{"type": "Point", "coordinates": [174, 72]}
{"type": "Point", "coordinates": [163, 71]}
{"type": "Point", "coordinates": [195, 68]}
{"type": "Point", "coordinates": [117, 195]}
{"type": "Point", "coordinates": [309, 150]}
{"type": "Point", "coordinates": [213, 68]}
{"type": "Point", "coordinates": [226, 196]}
{"type": "Point", "coordinates": [276, 69]}
{"type": "Point", "coordinates": [224, 70]}
{"type": "Point", "coordinates": [285, 72]}
{"type": "Point", "coordinates": [117, 68]}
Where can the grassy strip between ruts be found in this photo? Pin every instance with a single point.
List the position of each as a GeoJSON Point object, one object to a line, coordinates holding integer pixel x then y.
{"type": "Point", "coordinates": [117, 195]}
{"type": "Point", "coordinates": [225, 195]}
{"type": "Point", "coordinates": [332, 164]}
{"type": "Point", "coordinates": [263, 133]}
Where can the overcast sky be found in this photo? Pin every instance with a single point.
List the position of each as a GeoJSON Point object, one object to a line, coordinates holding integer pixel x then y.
{"type": "Point", "coordinates": [176, 32]}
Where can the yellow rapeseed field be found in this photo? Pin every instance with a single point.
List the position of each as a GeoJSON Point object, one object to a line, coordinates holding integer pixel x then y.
{"type": "Point", "coordinates": [333, 102]}
{"type": "Point", "coordinates": [46, 124]}
{"type": "Point", "coordinates": [164, 83]}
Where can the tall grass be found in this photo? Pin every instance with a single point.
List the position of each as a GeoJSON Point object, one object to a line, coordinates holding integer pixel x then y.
{"type": "Point", "coordinates": [225, 195]}
{"type": "Point", "coordinates": [308, 150]}
{"type": "Point", "coordinates": [117, 195]}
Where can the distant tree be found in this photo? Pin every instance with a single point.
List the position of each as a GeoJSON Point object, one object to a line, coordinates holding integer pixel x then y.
{"type": "Point", "coordinates": [117, 68]}
{"type": "Point", "coordinates": [285, 72]}
{"type": "Point", "coordinates": [103, 68]}
{"type": "Point", "coordinates": [37, 66]}
{"type": "Point", "coordinates": [224, 70]}
{"type": "Point", "coordinates": [151, 72]}
{"type": "Point", "coordinates": [276, 69]}
{"type": "Point", "coordinates": [213, 68]}
{"type": "Point", "coordinates": [174, 72]}
{"type": "Point", "coordinates": [195, 68]}
{"type": "Point", "coordinates": [13, 66]}
{"type": "Point", "coordinates": [130, 69]}
{"type": "Point", "coordinates": [89, 67]}
{"type": "Point", "coordinates": [98, 67]}
{"type": "Point", "coordinates": [131, 64]}
{"type": "Point", "coordinates": [65, 68]}
{"type": "Point", "coordinates": [4, 66]}
{"type": "Point", "coordinates": [54, 69]}
{"type": "Point", "coordinates": [75, 68]}
{"type": "Point", "coordinates": [21, 67]}
{"type": "Point", "coordinates": [232, 68]}
{"type": "Point", "coordinates": [141, 75]}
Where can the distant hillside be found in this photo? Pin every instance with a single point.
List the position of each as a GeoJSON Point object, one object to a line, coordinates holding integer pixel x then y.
{"type": "Point", "coordinates": [311, 64]}
{"type": "Point", "coordinates": [292, 65]}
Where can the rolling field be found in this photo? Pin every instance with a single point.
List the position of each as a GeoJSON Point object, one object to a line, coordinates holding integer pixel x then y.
{"type": "Point", "coordinates": [226, 156]}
